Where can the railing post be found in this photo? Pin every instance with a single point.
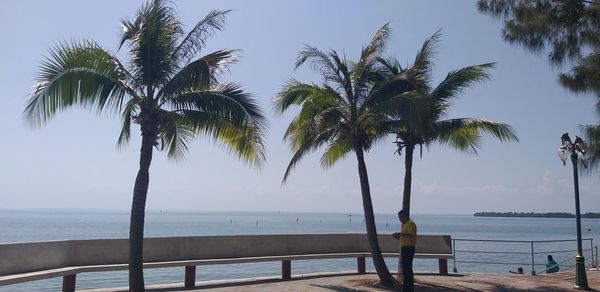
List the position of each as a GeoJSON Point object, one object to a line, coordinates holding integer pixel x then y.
{"type": "Point", "coordinates": [360, 265]}
{"type": "Point", "coordinates": [596, 262]}
{"type": "Point", "coordinates": [454, 254]}
{"type": "Point", "coordinates": [443, 266]}
{"type": "Point", "coordinates": [532, 260]}
{"type": "Point", "coordinates": [69, 283]}
{"type": "Point", "coordinates": [190, 276]}
{"type": "Point", "coordinates": [592, 251]}
{"type": "Point", "coordinates": [286, 269]}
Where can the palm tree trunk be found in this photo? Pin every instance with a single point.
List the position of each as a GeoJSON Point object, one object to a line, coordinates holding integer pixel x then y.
{"type": "Point", "coordinates": [408, 161]}
{"type": "Point", "coordinates": [382, 271]}
{"type": "Point", "coordinates": [136, 224]}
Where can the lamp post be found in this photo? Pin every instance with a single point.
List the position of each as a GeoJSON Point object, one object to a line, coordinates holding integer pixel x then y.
{"type": "Point", "coordinates": [575, 151]}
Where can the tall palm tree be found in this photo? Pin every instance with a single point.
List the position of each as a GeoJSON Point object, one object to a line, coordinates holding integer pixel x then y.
{"type": "Point", "coordinates": [429, 124]}
{"type": "Point", "coordinates": [342, 115]}
{"type": "Point", "coordinates": [167, 89]}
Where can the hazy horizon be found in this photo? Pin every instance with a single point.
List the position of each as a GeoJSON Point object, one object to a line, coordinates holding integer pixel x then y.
{"type": "Point", "coordinates": [275, 211]}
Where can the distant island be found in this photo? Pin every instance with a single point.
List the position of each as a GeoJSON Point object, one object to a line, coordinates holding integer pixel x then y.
{"type": "Point", "coordinates": [588, 215]}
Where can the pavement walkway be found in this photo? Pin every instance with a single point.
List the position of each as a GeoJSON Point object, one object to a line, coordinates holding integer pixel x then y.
{"type": "Point", "coordinates": [352, 282]}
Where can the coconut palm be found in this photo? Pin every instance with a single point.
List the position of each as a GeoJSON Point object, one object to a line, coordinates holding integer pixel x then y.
{"type": "Point", "coordinates": [172, 93]}
{"type": "Point", "coordinates": [342, 115]}
{"type": "Point", "coordinates": [428, 123]}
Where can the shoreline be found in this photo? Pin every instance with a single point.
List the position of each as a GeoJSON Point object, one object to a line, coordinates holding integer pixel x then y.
{"type": "Point", "coordinates": [552, 215]}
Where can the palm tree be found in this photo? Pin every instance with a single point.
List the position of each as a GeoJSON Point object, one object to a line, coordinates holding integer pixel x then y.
{"type": "Point", "coordinates": [342, 114]}
{"type": "Point", "coordinates": [428, 123]}
{"type": "Point", "coordinates": [170, 92]}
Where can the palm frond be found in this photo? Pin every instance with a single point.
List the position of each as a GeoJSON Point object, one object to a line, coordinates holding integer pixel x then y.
{"type": "Point", "coordinates": [376, 46]}
{"type": "Point", "coordinates": [344, 84]}
{"type": "Point", "coordinates": [335, 113]}
{"type": "Point", "coordinates": [335, 151]}
{"type": "Point", "coordinates": [129, 30]}
{"type": "Point", "coordinates": [77, 74]}
{"type": "Point", "coordinates": [196, 38]}
{"type": "Point", "coordinates": [199, 75]}
{"type": "Point", "coordinates": [297, 93]}
{"type": "Point", "coordinates": [314, 120]}
{"type": "Point", "coordinates": [320, 120]}
{"type": "Point", "coordinates": [388, 67]}
{"type": "Point", "coordinates": [501, 131]}
{"type": "Point", "coordinates": [462, 139]}
{"type": "Point", "coordinates": [365, 136]}
{"type": "Point", "coordinates": [227, 100]}
{"type": "Point", "coordinates": [175, 132]}
{"type": "Point", "coordinates": [152, 37]}
{"type": "Point", "coordinates": [244, 141]}
{"type": "Point", "coordinates": [363, 71]}
{"type": "Point", "coordinates": [321, 62]}
{"type": "Point", "coordinates": [229, 115]}
{"type": "Point", "coordinates": [294, 92]}
{"type": "Point", "coordinates": [298, 155]}
{"type": "Point", "coordinates": [396, 97]}
{"type": "Point", "coordinates": [464, 134]}
{"type": "Point", "coordinates": [420, 71]}
{"type": "Point", "coordinates": [304, 142]}
{"type": "Point", "coordinates": [130, 110]}
{"type": "Point", "coordinates": [457, 80]}
{"type": "Point", "coordinates": [417, 118]}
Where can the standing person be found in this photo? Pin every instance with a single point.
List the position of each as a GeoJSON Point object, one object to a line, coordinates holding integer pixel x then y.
{"type": "Point", "coordinates": [551, 265]}
{"type": "Point", "coordinates": [408, 241]}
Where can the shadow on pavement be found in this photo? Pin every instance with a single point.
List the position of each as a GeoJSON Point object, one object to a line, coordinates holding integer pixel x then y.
{"type": "Point", "coordinates": [248, 282]}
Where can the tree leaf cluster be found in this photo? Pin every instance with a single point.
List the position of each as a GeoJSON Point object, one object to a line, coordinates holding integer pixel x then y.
{"type": "Point", "coordinates": [173, 94]}
{"type": "Point", "coordinates": [569, 30]}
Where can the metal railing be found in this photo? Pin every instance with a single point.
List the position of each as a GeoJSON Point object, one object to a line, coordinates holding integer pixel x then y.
{"type": "Point", "coordinates": [517, 253]}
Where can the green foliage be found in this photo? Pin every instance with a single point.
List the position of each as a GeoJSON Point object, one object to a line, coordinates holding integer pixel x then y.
{"type": "Point", "coordinates": [570, 31]}
{"type": "Point", "coordinates": [592, 133]}
{"type": "Point", "coordinates": [566, 28]}
{"type": "Point", "coordinates": [343, 115]}
{"type": "Point", "coordinates": [77, 74]}
{"type": "Point", "coordinates": [170, 92]}
{"type": "Point", "coordinates": [423, 120]}
{"type": "Point", "coordinates": [427, 123]}
{"type": "Point", "coordinates": [173, 94]}
{"type": "Point", "coordinates": [340, 114]}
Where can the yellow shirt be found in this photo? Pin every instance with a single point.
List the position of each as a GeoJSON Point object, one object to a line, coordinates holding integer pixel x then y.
{"type": "Point", "coordinates": [409, 227]}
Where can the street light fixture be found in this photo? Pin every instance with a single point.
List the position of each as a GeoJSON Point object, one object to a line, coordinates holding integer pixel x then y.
{"type": "Point", "coordinates": [575, 150]}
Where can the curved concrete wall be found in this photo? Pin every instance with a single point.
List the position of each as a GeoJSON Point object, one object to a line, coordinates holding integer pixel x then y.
{"type": "Point", "coordinates": [27, 257]}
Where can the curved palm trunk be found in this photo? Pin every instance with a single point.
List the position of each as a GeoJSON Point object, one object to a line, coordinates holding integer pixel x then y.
{"type": "Point", "coordinates": [382, 271]}
{"type": "Point", "coordinates": [408, 161]}
{"type": "Point", "coordinates": [136, 224]}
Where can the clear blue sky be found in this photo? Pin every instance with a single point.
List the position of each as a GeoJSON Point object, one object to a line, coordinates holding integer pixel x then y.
{"type": "Point", "coordinates": [73, 162]}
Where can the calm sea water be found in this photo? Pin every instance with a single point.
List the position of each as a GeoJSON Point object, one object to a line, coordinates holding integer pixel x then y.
{"type": "Point", "coordinates": [44, 225]}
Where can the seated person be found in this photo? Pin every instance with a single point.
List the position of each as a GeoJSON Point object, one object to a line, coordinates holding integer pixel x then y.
{"type": "Point", "coordinates": [519, 271]}
{"type": "Point", "coordinates": [551, 265]}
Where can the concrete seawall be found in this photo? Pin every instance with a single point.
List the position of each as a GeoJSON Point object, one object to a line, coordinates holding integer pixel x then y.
{"type": "Point", "coordinates": [35, 256]}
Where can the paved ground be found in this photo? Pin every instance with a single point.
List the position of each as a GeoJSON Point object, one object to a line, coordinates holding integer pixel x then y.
{"type": "Point", "coordinates": [424, 282]}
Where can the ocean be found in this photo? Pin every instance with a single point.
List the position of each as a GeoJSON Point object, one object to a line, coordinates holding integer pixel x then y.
{"type": "Point", "coordinates": [47, 225]}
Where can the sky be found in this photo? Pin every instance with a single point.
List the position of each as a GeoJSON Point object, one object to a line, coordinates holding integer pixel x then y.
{"type": "Point", "coordinates": [73, 161]}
